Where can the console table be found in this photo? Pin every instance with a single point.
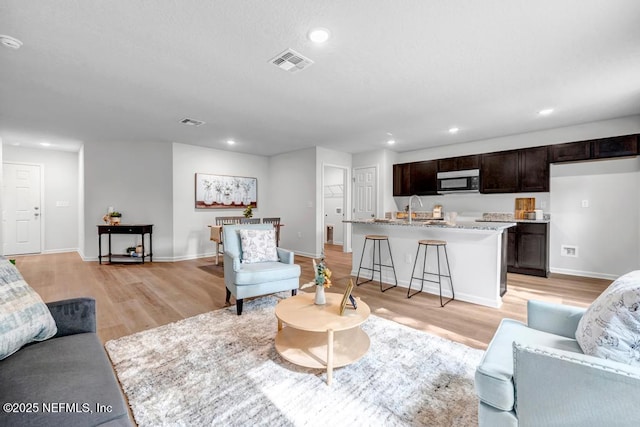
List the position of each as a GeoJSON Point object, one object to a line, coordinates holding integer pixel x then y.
{"type": "Point", "coordinates": [140, 229]}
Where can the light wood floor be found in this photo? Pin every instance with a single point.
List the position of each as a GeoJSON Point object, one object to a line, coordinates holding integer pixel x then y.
{"type": "Point", "coordinates": [132, 298]}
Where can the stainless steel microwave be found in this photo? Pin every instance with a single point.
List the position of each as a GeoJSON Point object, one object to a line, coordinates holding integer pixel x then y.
{"type": "Point", "coordinates": [466, 181]}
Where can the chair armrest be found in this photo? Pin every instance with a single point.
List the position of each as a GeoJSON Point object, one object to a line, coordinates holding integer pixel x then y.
{"type": "Point", "coordinates": [558, 319]}
{"type": "Point", "coordinates": [556, 387]}
{"type": "Point", "coordinates": [285, 256]}
{"type": "Point", "coordinates": [74, 316]}
{"type": "Point", "coordinates": [232, 261]}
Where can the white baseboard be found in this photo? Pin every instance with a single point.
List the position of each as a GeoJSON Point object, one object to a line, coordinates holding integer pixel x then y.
{"type": "Point", "coordinates": [60, 251]}
{"type": "Point", "coordinates": [582, 273]}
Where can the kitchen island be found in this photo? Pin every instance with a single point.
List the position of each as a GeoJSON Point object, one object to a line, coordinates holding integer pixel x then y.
{"type": "Point", "coordinates": [477, 256]}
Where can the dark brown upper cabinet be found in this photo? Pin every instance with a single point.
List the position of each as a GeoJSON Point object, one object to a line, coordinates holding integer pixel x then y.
{"type": "Point", "coordinates": [415, 178]}
{"type": "Point", "coordinates": [402, 179]}
{"type": "Point", "coordinates": [619, 146]}
{"type": "Point", "coordinates": [499, 172]}
{"type": "Point", "coordinates": [570, 152]}
{"type": "Point", "coordinates": [533, 175]}
{"type": "Point", "coordinates": [423, 178]}
{"type": "Point", "coordinates": [459, 163]}
{"type": "Point", "coordinates": [515, 171]}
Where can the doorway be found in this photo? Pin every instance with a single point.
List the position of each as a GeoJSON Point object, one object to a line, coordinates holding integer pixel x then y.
{"type": "Point", "coordinates": [22, 218]}
{"type": "Point", "coordinates": [334, 207]}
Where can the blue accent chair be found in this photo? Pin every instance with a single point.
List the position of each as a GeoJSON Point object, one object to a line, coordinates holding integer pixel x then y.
{"type": "Point", "coordinates": [255, 279]}
{"type": "Point", "coordinates": [537, 375]}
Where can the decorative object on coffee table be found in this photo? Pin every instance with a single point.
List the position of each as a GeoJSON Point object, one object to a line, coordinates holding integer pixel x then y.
{"type": "Point", "coordinates": [322, 280]}
{"type": "Point", "coordinates": [347, 297]}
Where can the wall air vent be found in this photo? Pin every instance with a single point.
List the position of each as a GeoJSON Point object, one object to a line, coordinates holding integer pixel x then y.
{"type": "Point", "coordinates": [191, 122]}
{"type": "Point", "coordinates": [291, 61]}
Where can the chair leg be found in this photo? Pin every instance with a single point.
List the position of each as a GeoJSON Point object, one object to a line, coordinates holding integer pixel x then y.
{"type": "Point", "coordinates": [294, 292]}
{"type": "Point", "coordinates": [228, 296]}
{"type": "Point", "coordinates": [239, 306]}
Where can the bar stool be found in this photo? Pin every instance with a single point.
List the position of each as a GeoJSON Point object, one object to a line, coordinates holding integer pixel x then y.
{"type": "Point", "coordinates": [373, 238]}
{"type": "Point", "coordinates": [437, 244]}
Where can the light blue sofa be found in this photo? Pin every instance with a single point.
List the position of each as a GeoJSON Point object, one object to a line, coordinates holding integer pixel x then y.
{"type": "Point", "coordinates": [250, 280]}
{"type": "Point", "coordinates": [536, 375]}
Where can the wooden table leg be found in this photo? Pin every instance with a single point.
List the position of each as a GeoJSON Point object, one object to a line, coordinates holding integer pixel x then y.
{"type": "Point", "coordinates": [329, 356]}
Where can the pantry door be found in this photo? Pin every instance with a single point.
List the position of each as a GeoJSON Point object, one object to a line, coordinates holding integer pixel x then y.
{"type": "Point", "coordinates": [22, 216]}
{"type": "Point", "coordinates": [364, 192]}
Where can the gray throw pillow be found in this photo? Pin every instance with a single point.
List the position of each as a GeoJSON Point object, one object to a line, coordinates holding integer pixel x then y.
{"type": "Point", "coordinates": [24, 317]}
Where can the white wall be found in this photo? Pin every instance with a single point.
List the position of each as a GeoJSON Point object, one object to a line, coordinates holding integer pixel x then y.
{"type": "Point", "coordinates": [606, 232]}
{"type": "Point", "coordinates": [136, 179]}
{"type": "Point", "coordinates": [190, 231]}
{"type": "Point", "coordinates": [293, 193]}
{"type": "Point", "coordinates": [60, 177]}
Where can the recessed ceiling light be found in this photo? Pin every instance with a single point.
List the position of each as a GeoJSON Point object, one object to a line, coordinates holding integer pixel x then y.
{"type": "Point", "coordinates": [391, 141]}
{"type": "Point", "coordinates": [45, 144]}
{"type": "Point", "coordinates": [10, 42]}
{"type": "Point", "coordinates": [545, 112]}
{"type": "Point", "coordinates": [453, 130]}
{"type": "Point", "coordinates": [319, 35]}
{"type": "Point", "coordinates": [230, 141]}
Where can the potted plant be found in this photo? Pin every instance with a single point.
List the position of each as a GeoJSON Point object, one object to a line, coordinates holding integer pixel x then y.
{"type": "Point", "coordinates": [115, 217]}
{"type": "Point", "coordinates": [248, 211]}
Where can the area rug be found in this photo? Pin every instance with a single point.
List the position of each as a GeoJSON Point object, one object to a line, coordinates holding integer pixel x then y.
{"type": "Point", "coordinates": [220, 369]}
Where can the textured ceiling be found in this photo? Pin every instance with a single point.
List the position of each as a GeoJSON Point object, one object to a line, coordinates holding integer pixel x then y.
{"type": "Point", "coordinates": [125, 70]}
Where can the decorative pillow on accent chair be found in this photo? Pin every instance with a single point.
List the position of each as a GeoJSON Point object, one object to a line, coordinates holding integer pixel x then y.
{"type": "Point", "coordinates": [258, 245]}
{"type": "Point", "coordinates": [24, 317]}
{"type": "Point", "coordinates": [610, 328]}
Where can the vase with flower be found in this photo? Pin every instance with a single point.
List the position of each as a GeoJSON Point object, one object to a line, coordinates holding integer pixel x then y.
{"type": "Point", "coordinates": [322, 281]}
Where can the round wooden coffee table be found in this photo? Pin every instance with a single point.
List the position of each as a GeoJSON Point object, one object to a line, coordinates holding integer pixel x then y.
{"type": "Point", "coordinates": [317, 336]}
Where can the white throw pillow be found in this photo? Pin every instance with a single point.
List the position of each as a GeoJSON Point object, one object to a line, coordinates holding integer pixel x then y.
{"type": "Point", "coordinates": [610, 328]}
{"type": "Point", "coordinates": [24, 318]}
{"type": "Point", "coordinates": [258, 245]}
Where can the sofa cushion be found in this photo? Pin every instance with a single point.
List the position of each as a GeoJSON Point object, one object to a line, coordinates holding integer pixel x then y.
{"type": "Point", "coordinates": [251, 274]}
{"type": "Point", "coordinates": [258, 245]}
{"type": "Point", "coordinates": [24, 317]}
{"type": "Point", "coordinates": [494, 375]}
{"type": "Point", "coordinates": [610, 328]}
{"type": "Point", "coordinates": [71, 370]}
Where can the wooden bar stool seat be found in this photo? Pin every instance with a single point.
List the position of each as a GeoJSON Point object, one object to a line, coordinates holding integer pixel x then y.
{"type": "Point", "coordinates": [376, 267]}
{"type": "Point", "coordinates": [437, 244]}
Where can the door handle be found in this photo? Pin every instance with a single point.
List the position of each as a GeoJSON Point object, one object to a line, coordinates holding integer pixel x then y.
{"type": "Point", "coordinates": [36, 214]}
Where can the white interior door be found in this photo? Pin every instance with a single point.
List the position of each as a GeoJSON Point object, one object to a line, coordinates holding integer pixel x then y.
{"type": "Point", "coordinates": [364, 193]}
{"type": "Point", "coordinates": [22, 214]}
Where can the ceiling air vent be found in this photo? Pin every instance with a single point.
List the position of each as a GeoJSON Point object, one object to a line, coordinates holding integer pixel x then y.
{"type": "Point", "coordinates": [291, 61]}
{"type": "Point", "coordinates": [191, 122]}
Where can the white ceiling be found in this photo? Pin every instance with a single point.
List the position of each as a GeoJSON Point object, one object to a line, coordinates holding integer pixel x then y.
{"type": "Point", "coordinates": [125, 70]}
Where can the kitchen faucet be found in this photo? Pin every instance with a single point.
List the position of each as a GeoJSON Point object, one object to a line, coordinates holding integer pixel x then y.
{"type": "Point", "coordinates": [410, 203]}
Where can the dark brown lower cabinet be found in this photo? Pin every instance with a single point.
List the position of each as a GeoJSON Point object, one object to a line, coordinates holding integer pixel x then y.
{"type": "Point", "coordinates": [528, 249]}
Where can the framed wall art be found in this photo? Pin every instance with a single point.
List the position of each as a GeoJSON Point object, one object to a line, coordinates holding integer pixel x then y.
{"type": "Point", "coordinates": [225, 192]}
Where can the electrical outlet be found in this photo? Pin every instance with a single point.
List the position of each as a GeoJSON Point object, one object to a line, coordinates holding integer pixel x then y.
{"type": "Point", "coordinates": [299, 235]}
{"type": "Point", "coordinates": [407, 258]}
{"type": "Point", "coordinates": [585, 203]}
{"type": "Point", "coordinates": [570, 251]}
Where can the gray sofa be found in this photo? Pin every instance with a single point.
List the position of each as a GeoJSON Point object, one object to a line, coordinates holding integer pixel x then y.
{"type": "Point", "coordinates": [66, 380]}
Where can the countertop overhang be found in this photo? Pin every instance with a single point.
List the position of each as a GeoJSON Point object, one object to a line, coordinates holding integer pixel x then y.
{"type": "Point", "coordinates": [459, 225]}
